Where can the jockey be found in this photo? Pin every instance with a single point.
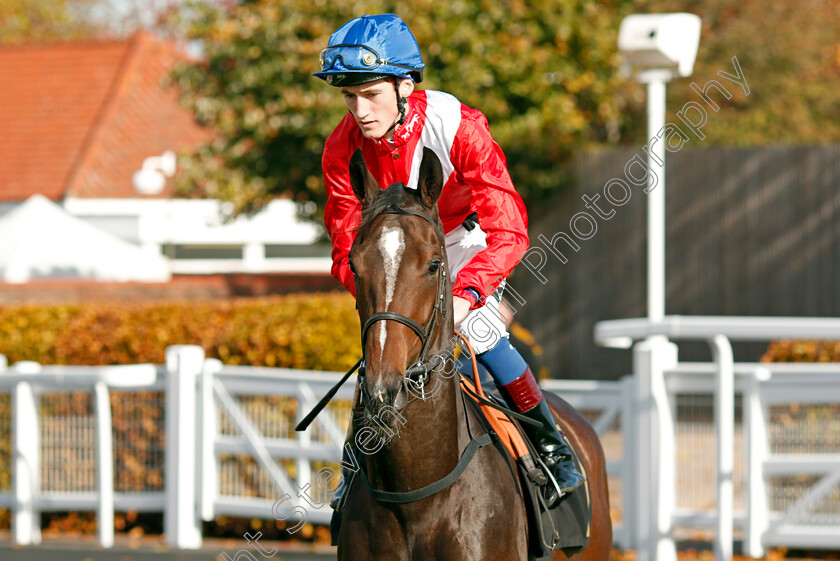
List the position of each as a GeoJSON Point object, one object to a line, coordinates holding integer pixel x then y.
{"type": "Point", "coordinates": [375, 62]}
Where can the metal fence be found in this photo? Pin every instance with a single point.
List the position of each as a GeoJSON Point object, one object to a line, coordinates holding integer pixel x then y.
{"type": "Point", "coordinates": [64, 451]}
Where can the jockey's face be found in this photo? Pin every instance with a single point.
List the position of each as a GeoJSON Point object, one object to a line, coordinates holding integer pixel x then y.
{"type": "Point", "coordinates": [374, 106]}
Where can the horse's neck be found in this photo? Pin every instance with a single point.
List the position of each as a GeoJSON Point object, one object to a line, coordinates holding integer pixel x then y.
{"type": "Point", "coordinates": [429, 444]}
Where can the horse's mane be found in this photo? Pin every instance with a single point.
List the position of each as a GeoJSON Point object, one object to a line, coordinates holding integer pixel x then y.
{"type": "Point", "coordinates": [393, 196]}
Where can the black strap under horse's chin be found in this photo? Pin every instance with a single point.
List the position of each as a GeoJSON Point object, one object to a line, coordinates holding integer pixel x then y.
{"type": "Point", "coordinates": [410, 496]}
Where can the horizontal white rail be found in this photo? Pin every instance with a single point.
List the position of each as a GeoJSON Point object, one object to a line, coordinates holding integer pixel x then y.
{"type": "Point", "coordinates": [801, 464]}
{"type": "Point", "coordinates": [240, 380]}
{"type": "Point", "coordinates": [621, 333]}
{"type": "Point", "coordinates": [68, 378]}
{"type": "Point", "coordinates": [263, 508]}
{"type": "Point", "coordinates": [806, 538]}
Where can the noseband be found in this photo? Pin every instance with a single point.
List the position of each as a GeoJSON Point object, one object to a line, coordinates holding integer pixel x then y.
{"type": "Point", "coordinates": [419, 372]}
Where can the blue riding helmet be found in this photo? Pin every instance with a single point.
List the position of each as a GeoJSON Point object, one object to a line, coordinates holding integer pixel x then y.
{"type": "Point", "coordinates": [369, 48]}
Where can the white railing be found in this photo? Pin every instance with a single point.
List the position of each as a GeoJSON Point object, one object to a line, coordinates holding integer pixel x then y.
{"type": "Point", "coordinates": [231, 448]}
{"type": "Point", "coordinates": [323, 442]}
{"type": "Point", "coordinates": [659, 376]}
{"type": "Point", "coordinates": [205, 421]}
{"type": "Point", "coordinates": [26, 382]}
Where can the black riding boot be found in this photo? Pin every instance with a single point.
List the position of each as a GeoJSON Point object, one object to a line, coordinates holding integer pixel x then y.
{"type": "Point", "coordinates": [554, 452]}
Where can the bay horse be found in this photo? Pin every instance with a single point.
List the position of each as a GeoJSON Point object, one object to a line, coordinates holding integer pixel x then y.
{"type": "Point", "coordinates": [404, 299]}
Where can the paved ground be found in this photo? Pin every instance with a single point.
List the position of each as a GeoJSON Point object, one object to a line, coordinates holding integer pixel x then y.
{"type": "Point", "coordinates": [74, 550]}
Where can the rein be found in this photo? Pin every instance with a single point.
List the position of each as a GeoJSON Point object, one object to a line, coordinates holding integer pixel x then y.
{"type": "Point", "coordinates": [473, 446]}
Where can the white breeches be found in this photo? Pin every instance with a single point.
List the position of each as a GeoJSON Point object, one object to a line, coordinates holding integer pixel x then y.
{"type": "Point", "coordinates": [484, 326]}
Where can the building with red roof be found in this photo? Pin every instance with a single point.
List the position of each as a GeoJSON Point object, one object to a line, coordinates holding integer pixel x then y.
{"type": "Point", "coordinates": [78, 121]}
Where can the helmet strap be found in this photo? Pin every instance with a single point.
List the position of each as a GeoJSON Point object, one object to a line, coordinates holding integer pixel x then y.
{"type": "Point", "coordinates": [401, 103]}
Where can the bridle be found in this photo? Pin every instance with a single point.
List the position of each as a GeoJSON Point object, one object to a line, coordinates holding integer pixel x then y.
{"type": "Point", "coordinates": [418, 373]}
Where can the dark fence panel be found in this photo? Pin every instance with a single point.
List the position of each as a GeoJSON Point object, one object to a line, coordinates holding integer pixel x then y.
{"type": "Point", "coordinates": [751, 231]}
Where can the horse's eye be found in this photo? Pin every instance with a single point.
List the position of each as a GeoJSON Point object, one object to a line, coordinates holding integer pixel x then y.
{"type": "Point", "coordinates": [433, 267]}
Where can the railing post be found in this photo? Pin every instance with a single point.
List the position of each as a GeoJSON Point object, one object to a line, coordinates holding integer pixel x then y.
{"type": "Point", "coordinates": [208, 429]}
{"type": "Point", "coordinates": [105, 464]}
{"type": "Point", "coordinates": [304, 440]}
{"type": "Point", "coordinates": [755, 417]}
{"type": "Point", "coordinates": [654, 457]}
{"type": "Point", "coordinates": [629, 450]}
{"type": "Point", "coordinates": [184, 364]}
{"type": "Point", "coordinates": [26, 484]}
{"type": "Point", "coordinates": [666, 549]}
{"type": "Point", "coordinates": [725, 428]}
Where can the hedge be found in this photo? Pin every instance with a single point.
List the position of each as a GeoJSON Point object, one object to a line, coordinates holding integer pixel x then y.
{"type": "Point", "coordinates": [311, 331]}
{"type": "Point", "coordinates": [802, 351]}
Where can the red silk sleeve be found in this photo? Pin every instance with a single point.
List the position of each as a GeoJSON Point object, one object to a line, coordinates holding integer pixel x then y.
{"type": "Point", "coordinates": [501, 211]}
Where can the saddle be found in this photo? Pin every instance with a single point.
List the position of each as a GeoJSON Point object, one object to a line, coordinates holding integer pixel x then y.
{"type": "Point", "coordinates": [567, 525]}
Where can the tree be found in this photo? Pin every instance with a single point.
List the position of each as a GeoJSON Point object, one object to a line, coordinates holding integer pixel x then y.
{"type": "Point", "coordinates": [544, 73]}
{"type": "Point", "coordinates": [43, 20]}
{"type": "Point", "coordinates": [123, 17]}
{"type": "Point", "coordinates": [789, 53]}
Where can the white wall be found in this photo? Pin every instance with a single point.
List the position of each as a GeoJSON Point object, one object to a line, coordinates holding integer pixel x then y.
{"type": "Point", "coordinates": [163, 223]}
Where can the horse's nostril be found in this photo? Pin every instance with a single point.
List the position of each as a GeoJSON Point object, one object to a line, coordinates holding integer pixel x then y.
{"type": "Point", "coordinates": [384, 390]}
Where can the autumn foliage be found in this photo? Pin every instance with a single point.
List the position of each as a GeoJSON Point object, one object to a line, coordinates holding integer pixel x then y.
{"type": "Point", "coordinates": [318, 332]}
{"type": "Point", "coordinates": [802, 351]}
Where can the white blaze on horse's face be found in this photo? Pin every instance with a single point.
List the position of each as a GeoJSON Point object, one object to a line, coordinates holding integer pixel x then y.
{"type": "Point", "coordinates": [391, 246]}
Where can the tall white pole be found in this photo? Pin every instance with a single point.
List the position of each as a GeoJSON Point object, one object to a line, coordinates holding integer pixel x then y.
{"type": "Point", "coordinates": [658, 426]}
{"type": "Point", "coordinates": [638, 38]}
{"type": "Point", "coordinates": [656, 197]}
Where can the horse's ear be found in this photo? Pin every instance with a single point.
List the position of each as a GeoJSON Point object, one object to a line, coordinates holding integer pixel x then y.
{"type": "Point", "coordinates": [364, 185]}
{"type": "Point", "coordinates": [430, 183]}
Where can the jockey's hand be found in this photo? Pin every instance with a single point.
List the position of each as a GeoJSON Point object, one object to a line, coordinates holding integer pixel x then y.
{"type": "Point", "coordinates": [460, 309]}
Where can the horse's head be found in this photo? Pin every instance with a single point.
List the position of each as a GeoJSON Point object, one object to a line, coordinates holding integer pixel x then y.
{"type": "Point", "coordinates": [403, 291]}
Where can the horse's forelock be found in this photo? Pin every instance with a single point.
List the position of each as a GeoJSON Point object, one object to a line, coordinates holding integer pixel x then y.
{"type": "Point", "coordinates": [397, 195]}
